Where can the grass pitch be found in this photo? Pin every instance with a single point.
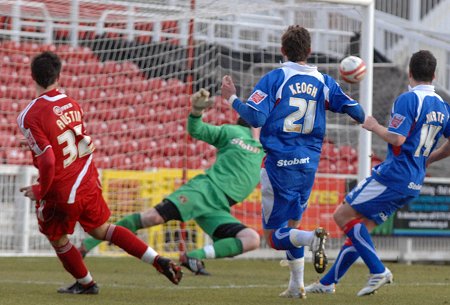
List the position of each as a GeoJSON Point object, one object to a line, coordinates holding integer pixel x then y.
{"type": "Point", "coordinates": [124, 280]}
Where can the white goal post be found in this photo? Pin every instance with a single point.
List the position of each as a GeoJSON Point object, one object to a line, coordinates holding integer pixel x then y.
{"type": "Point", "coordinates": [366, 85]}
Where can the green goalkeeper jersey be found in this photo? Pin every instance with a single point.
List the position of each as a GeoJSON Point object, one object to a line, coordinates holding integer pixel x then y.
{"type": "Point", "coordinates": [238, 160]}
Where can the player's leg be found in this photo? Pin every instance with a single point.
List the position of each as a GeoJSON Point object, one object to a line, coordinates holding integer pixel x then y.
{"type": "Point", "coordinates": [228, 243]}
{"type": "Point", "coordinates": [200, 199]}
{"type": "Point", "coordinates": [283, 205]}
{"type": "Point", "coordinates": [72, 261]}
{"type": "Point", "coordinates": [284, 200]}
{"type": "Point", "coordinates": [93, 220]}
{"type": "Point", "coordinates": [295, 260]}
{"type": "Point", "coordinates": [376, 203]}
{"type": "Point", "coordinates": [230, 238]}
{"type": "Point", "coordinates": [287, 238]}
{"type": "Point", "coordinates": [134, 222]}
{"type": "Point", "coordinates": [249, 238]}
{"type": "Point", "coordinates": [344, 260]}
{"type": "Point", "coordinates": [346, 257]}
{"type": "Point", "coordinates": [349, 221]}
{"type": "Point", "coordinates": [130, 243]}
{"type": "Point", "coordinates": [56, 221]}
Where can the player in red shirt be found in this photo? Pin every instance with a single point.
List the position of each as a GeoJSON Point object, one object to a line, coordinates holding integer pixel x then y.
{"type": "Point", "coordinates": [69, 189]}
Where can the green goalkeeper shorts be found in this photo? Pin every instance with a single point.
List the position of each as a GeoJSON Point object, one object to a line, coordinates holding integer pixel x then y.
{"type": "Point", "coordinates": [201, 200]}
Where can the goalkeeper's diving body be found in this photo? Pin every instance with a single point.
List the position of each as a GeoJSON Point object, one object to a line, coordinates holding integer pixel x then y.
{"type": "Point", "coordinates": [207, 198]}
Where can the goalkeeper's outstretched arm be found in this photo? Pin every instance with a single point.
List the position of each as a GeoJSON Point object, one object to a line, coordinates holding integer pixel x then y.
{"type": "Point", "coordinates": [196, 127]}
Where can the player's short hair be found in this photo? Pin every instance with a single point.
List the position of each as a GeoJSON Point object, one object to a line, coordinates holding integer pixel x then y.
{"type": "Point", "coordinates": [240, 121]}
{"type": "Point", "coordinates": [45, 68]}
{"type": "Point", "coordinates": [296, 43]}
{"type": "Point", "coordinates": [422, 66]}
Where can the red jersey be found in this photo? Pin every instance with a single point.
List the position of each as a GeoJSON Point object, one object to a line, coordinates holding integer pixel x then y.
{"type": "Point", "coordinates": [55, 121]}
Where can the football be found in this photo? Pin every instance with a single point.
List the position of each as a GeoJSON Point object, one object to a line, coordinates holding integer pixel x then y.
{"type": "Point", "coordinates": [352, 69]}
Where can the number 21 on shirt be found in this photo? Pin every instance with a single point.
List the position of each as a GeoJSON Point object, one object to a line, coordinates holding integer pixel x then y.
{"type": "Point", "coordinates": [306, 110]}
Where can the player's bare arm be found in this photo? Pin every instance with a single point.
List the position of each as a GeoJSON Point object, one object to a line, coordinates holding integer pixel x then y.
{"type": "Point", "coordinates": [228, 88]}
{"type": "Point", "coordinates": [442, 152]}
{"type": "Point", "coordinates": [371, 124]}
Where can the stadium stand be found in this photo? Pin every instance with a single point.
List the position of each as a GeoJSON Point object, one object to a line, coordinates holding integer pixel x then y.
{"type": "Point", "coordinates": [126, 123]}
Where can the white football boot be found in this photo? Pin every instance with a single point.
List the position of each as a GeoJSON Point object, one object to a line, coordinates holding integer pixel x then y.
{"type": "Point", "coordinates": [376, 281]}
{"type": "Point", "coordinates": [318, 287]}
{"type": "Point", "coordinates": [294, 294]}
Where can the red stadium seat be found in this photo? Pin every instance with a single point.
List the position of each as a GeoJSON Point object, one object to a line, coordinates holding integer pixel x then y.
{"type": "Point", "coordinates": [194, 162]}
{"type": "Point", "coordinates": [329, 151]}
{"type": "Point", "coordinates": [156, 83]}
{"type": "Point", "coordinates": [8, 140]}
{"type": "Point", "coordinates": [102, 161]}
{"type": "Point", "coordinates": [327, 166]}
{"type": "Point", "coordinates": [7, 105]}
{"type": "Point", "coordinates": [105, 80]}
{"type": "Point", "coordinates": [17, 156]}
{"type": "Point", "coordinates": [130, 69]}
{"type": "Point", "coordinates": [176, 86]}
{"type": "Point", "coordinates": [110, 67]}
{"type": "Point", "coordinates": [347, 152]}
{"type": "Point", "coordinates": [139, 162]}
{"type": "Point", "coordinates": [345, 167]}
{"type": "Point", "coordinates": [174, 162]}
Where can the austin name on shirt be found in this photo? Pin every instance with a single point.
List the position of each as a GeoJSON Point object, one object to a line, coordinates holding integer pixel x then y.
{"type": "Point", "coordinates": [67, 118]}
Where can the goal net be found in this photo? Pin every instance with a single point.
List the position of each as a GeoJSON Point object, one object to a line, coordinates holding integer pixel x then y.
{"type": "Point", "coordinates": [132, 65]}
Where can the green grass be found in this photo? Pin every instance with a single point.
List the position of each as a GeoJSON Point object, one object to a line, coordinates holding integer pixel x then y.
{"type": "Point", "coordinates": [33, 281]}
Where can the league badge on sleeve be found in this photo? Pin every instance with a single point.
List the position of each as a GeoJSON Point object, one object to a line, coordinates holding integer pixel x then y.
{"type": "Point", "coordinates": [396, 121]}
{"type": "Point", "coordinates": [257, 97]}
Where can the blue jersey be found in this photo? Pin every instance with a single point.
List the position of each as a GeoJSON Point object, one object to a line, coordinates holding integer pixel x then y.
{"type": "Point", "coordinates": [422, 117]}
{"type": "Point", "coordinates": [294, 99]}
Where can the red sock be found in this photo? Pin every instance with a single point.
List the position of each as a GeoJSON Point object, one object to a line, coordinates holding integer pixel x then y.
{"type": "Point", "coordinates": [348, 242]}
{"type": "Point", "coordinates": [125, 239]}
{"type": "Point", "coordinates": [72, 261]}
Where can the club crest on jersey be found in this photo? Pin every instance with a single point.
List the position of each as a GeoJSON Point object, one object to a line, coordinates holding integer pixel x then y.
{"type": "Point", "coordinates": [59, 110]}
{"type": "Point", "coordinates": [257, 97]}
{"type": "Point", "coordinates": [183, 199]}
{"type": "Point", "coordinates": [396, 121]}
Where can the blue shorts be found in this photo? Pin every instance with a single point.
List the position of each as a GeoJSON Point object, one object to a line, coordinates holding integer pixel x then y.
{"type": "Point", "coordinates": [285, 194]}
{"type": "Point", "coordinates": [376, 201]}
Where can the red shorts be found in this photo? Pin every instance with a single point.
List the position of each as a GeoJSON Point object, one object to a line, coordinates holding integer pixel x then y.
{"type": "Point", "coordinates": [59, 218]}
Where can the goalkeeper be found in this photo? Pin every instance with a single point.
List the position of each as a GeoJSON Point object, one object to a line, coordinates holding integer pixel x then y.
{"type": "Point", "coordinates": [207, 198]}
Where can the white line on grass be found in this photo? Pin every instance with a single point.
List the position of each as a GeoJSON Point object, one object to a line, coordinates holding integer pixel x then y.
{"type": "Point", "coordinates": [168, 286]}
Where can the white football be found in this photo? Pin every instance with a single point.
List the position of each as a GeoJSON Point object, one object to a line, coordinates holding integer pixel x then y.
{"type": "Point", "coordinates": [352, 69]}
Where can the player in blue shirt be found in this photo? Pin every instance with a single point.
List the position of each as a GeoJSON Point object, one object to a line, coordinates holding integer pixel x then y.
{"type": "Point", "coordinates": [418, 119]}
{"type": "Point", "coordinates": [289, 104]}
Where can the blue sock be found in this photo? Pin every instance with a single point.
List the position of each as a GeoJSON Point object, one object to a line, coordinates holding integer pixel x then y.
{"type": "Point", "coordinates": [362, 241]}
{"type": "Point", "coordinates": [296, 253]}
{"type": "Point", "coordinates": [280, 239]}
{"type": "Point", "coordinates": [346, 257]}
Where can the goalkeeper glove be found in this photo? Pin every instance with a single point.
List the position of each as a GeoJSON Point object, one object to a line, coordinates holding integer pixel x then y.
{"type": "Point", "coordinates": [200, 101]}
